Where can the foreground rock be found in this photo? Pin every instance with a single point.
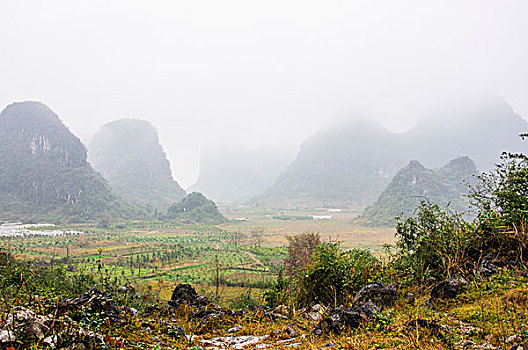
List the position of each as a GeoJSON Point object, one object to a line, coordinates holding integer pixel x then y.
{"type": "Point", "coordinates": [23, 327]}
{"type": "Point", "coordinates": [185, 294]}
{"type": "Point", "coordinates": [96, 301]}
{"type": "Point", "coordinates": [338, 320]}
{"type": "Point", "coordinates": [487, 268]}
{"type": "Point", "coordinates": [449, 288]}
{"type": "Point", "coordinates": [235, 342]}
{"type": "Point", "coordinates": [377, 292]}
{"type": "Point", "coordinates": [363, 309]}
{"type": "Point", "coordinates": [23, 324]}
{"type": "Point", "coordinates": [316, 312]}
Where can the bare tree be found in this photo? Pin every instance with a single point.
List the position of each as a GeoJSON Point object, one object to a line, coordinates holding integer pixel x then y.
{"type": "Point", "coordinates": [300, 251]}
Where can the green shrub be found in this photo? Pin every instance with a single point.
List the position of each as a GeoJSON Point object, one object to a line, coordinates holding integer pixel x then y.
{"type": "Point", "coordinates": [436, 243]}
{"type": "Point", "coordinates": [23, 280]}
{"type": "Point", "coordinates": [279, 293]}
{"type": "Point", "coordinates": [502, 200]}
{"type": "Point", "coordinates": [431, 245]}
{"type": "Point", "coordinates": [335, 275]}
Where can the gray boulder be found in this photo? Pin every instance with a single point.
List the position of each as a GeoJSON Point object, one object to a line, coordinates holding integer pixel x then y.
{"type": "Point", "coordinates": [185, 294]}
{"type": "Point", "coordinates": [487, 268]}
{"type": "Point", "coordinates": [449, 288]}
{"type": "Point", "coordinates": [377, 292]}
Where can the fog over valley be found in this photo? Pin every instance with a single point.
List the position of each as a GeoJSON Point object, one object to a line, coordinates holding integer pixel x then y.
{"type": "Point", "coordinates": [254, 73]}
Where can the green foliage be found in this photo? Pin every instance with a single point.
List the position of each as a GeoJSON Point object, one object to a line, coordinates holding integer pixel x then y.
{"type": "Point", "coordinates": [432, 245]}
{"type": "Point", "coordinates": [279, 293]}
{"type": "Point", "coordinates": [39, 285]}
{"type": "Point", "coordinates": [436, 243]}
{"type": "Point", "coordinates": [502, 200]}
{"type": "Point", "coordinates": [505, 190]}
{"type": "Point", "coordinates": [335, 275]}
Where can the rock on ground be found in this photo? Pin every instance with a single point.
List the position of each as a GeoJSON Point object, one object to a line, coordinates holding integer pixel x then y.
{"type": "Point", "coordinates": [98, 302]}
{"type": "Point", "coordinates": [377, 292]}
{"type": "Point", "coordinates": [185, 294]}
{"type": "Point", "coordinates": [449, 288]}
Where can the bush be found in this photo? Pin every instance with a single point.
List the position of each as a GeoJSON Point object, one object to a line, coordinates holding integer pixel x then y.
{"type": "Point", "coordinates": [280, 292]}
{"type": "Point", "coordinates": [431, 245]}
{"type": "Point", "coordinates": [334, 276]}
{"type": "Point", "coordinates": [502, 200]}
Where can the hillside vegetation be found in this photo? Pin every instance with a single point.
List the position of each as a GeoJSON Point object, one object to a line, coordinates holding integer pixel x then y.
{"type": "Point", "coordinates": [195, 208]}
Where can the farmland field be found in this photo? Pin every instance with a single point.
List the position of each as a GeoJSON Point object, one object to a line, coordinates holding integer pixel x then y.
{"type": "Point", "coordinates": [246, 253]}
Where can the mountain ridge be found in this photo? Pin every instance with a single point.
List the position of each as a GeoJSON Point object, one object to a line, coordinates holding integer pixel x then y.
{"type": "Point", "coordinates": [349, 164]}
{"type": "Point", "coordinates": [44, 171]}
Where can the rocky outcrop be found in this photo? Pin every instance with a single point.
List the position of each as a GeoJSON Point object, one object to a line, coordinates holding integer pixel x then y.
{"type": "Point", "coordinates": [95, 301]}
{"type": "Point", "coordinates": [414, 183]}
{"type": "Point", "coordinates": [24, 329]}
{"type": "Point", "coordinates": [363, 309]}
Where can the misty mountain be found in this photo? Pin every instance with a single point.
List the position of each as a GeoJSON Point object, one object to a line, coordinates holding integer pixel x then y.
{"type": "Point", "coordinates": [44, 173]}
{"type": "Point", "coordinates": [349, 164]}
{"type": "Point", "coordinates": [195, 207]}
{"type": "Point", "coordinates": [481, 128]}
{"type": "Point", "coordinates": [128, 154]}
{"type": "Point", "coordinates": [414, 183]}
{"type": "Point", "coordinates": [346, 165]}
{"type": "Point", "coordinates": [231, 174]}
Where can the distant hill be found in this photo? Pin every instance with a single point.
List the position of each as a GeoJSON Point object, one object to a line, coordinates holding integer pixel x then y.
{"type": "Point", "coordinates": [345, 166]}
{"type": "Point", "coordinates": [128, 154]}
{"type": "Point", "coordinates": [44, 173]}
{"type": "Point", "coordinates": [196, 208]}
{"type": "Point", "coordinates": [415, 183]}
{"type": "Point", "coordinates": [234, 174]}
{"type": "Point", "coordinates": [481, 128]}
{"type": "Point", "coordinates": [349, 164]}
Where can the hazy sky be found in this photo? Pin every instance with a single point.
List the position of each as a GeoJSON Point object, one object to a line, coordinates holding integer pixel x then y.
{"type": "Point", "coordinates": [256, 72]}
